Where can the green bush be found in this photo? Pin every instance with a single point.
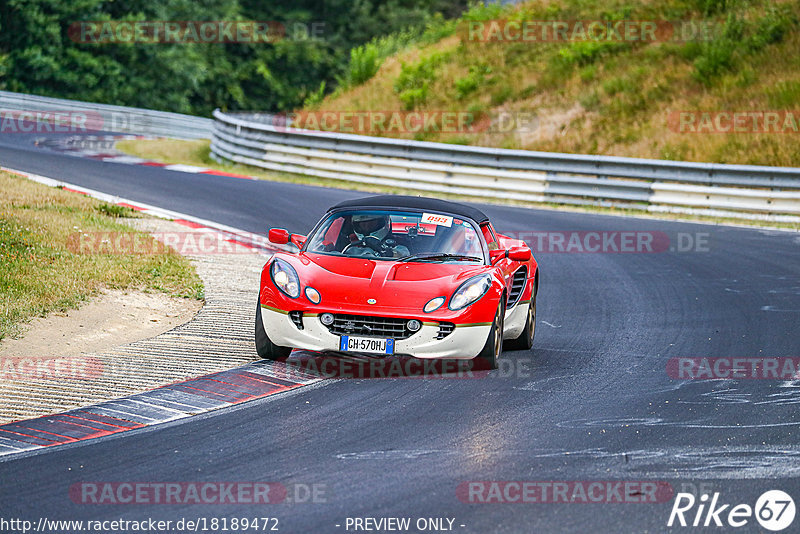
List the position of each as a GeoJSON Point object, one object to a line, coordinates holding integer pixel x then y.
{"type": "Point", "coordinates": [501, 95]}
{"type": "Point", "coordinates": [364, 63]}
{"type": "Point", "coordinates": [366, 60]}
{"type": "Point", "coordinates": [413, 98]}
{"type": "Point", "coordinates": [316, 97]}
{"type": "Point", "coordinates": [710, 7]}
{"type": "Point", "coordinates": [770, 29]}
{"type": "Point", "coordinates": [785, 94]}
{"type": "Point", "coordinates": [588, 73]}
{"type": "Point", "coordinates": [586, 52]}
{"type": "Point", "coordinates": [480, 11]}
{"type": "Point", "coordinates": [112, 210]}
{"type": "Point", "coordinates": [412, 83]}
{"type": "Point", "coordinates": [436, 29]}
{"type": "Point", "coordinates": [614, 86]}
{"type": "Point", "coordinates": [469, 83]}
{"type": "Point", "coordinates": [717, 57]}
{"type": "Point", "coordinates": [689, 51]}
{"type": "Point", "coordinates": [737, 39]}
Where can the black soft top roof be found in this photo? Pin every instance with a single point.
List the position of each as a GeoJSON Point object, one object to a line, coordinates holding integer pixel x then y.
{"type": "Point", "coordinates": [416, 203]}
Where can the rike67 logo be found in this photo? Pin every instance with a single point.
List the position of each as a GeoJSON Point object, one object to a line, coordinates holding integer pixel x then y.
{"type": "Point", "coordinates": [774, 510]}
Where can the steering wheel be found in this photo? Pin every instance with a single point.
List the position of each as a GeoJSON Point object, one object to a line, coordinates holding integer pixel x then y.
{"type": "Point", "coordinates": [371, 242]}
{"type": "Point", "coordinates": [374, 243]}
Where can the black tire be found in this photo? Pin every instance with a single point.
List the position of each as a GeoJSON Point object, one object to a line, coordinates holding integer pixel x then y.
{"type": "Point", "coordinates": [525, 339]}
{"type": "Point", "coordinates": [494, 343]}
{"type": "Point", "coordinates": [265, 348]}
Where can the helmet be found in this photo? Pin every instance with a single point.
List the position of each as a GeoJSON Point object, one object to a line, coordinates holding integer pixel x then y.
{"type": "Point", "coordinates": [373, 224]}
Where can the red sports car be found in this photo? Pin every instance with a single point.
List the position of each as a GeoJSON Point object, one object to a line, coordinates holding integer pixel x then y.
{"type": "Point", "coordinates": [398, 275]}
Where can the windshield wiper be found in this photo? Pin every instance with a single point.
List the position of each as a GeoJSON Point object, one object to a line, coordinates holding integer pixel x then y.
{"type": "Point", "coordinates": [422, 256]}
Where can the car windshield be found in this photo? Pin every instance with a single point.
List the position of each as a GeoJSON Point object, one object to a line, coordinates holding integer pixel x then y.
{"type": "Point", "coordinates": [399, 236]}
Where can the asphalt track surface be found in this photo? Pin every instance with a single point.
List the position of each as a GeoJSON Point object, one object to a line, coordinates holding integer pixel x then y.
{"type": "Point", "coordinates": [591, 401]}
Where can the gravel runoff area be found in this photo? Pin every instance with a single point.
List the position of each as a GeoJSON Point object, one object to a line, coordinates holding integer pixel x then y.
{"type": "Point", "coordinates": [219, 337]}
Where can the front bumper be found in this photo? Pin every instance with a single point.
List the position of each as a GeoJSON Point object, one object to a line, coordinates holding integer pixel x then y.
{"type": "Point", "coordinates": [465, 342]}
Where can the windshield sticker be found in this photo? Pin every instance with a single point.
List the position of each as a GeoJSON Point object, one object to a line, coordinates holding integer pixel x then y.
{"type": "Point", "coordinates": [433, 218]}
{"type": "Point", "coordinates": [418, 229]}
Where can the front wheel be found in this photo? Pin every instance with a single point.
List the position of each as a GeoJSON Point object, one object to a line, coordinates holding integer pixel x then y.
{"type": "Point", "coordinates": [265, 348]}
{"type": "Point", "coordinates": [494, 343]}
{"type": "Point", "coordinates": [525, 339]}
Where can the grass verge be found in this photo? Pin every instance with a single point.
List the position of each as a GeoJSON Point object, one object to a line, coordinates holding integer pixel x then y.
{"type": "Point", "coordinates": [40, 273]}
{"type": "Point", "coordinates": [197, 153]}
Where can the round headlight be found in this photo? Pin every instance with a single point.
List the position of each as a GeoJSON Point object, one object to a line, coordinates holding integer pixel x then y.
{"type": "Point", "coordinates": [470, 291]}
{"type": "Point", "coordinates": [413, 325]}
{"type": "Point", "coordinates": [326, 319]}
{"type": "Point", "coordinates": [433, 304]}
{"type": "Point", "coordinates": [313, 295]}
{"type": "Point", "coordinates": [285, 278]}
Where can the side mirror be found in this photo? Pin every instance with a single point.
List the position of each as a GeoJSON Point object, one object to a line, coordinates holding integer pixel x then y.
{"type": "Point", "coordinates": [279, 236]}
{"type": "Point", "coordinates": [519, 253]}
{"type": "Point", "coordinates": [298, 240]}
{"type": "Point", "coordinates": [495, 255]}
{"type": "Point", "coordinates": [514, 254]}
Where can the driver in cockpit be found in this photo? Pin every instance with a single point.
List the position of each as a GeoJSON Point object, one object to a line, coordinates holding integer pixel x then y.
{"type": "Point", "coordinates": [373, 237]}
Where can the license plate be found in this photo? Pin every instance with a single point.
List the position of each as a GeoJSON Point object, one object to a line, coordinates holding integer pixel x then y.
{"type": "Point", "coordinates": [366, 344]}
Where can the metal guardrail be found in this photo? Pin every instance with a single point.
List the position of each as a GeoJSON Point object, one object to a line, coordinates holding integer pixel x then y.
{"type": "Point", "coordinates": [742, 191]}
{"type": "Point", "coordinates": [105, 117]}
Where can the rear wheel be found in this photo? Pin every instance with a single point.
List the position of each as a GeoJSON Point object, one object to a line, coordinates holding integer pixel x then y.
{"type": "Point", "coordinates": [494, 343]}
{"type": "Point", "coordinates": [525, 339]}
{"type": "Point", "coordinates": [264, 346]}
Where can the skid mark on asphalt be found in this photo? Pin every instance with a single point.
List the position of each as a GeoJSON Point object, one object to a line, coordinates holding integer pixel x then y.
{"type": "Point", "coordinates": [706, 463]}
{"type": "Point", "coordinates": [779, 310]}
{"type": "Point", "coordinates": [617, 422]}
{"type": "Point", "coordinates": [746, 462]}
{"type": "Point", "coordinates": [715, 462]}
{"type": "Point", "coordinates": [542, 384]}
{"type": "Point", "coordinates": [393, 454]}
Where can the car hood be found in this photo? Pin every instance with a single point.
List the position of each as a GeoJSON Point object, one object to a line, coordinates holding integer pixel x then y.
{"type": "Point", "coordinates": [393, 285]}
